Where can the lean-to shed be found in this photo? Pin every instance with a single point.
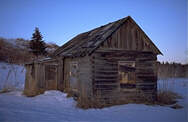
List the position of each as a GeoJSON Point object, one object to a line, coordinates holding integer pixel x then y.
{"type": "Point", "coordinates": [109, 62]}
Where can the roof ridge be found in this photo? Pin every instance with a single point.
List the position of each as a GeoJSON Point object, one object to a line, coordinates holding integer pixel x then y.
{"type": "Point", "coordinates": [59, 50]}
{"type": "Point", "coordinates": [88, 42]}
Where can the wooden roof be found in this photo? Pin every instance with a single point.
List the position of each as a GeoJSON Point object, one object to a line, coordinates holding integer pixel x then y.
{"type": "Point", "coordinates": [88, 42]}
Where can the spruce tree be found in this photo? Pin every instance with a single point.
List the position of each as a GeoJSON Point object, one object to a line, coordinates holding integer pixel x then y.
{"type": "Point", "coordinates": [37, 45]}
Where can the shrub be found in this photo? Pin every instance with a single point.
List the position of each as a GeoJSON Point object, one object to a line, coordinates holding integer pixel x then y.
{"type": "Point", "coordinates": [167, 97]}
{"type": "Point", "coordinates": [5, 90]}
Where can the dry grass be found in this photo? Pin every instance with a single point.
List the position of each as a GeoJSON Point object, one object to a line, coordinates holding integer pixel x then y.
{"type": "Point", "coordinates": [165, 94]}
{"type": "Point", "coordinates": [33, 93]}
{"type": "Point", "coordinates": [163, 98]}
{"type": "Point", "coordinates": [176, 106]}
{"type": "Point", "coordinates": [8, 88]}
{"type": "Point", "coordinates": [72, 93]}
{"type": "Point", "coordinates": [117, 98]}
{"type": "Point", "coordinates": [5, 90]}
{"type": "Point", "coordinates": [167, 97]}
{"type": "Point", "coordinates": [88, 102]}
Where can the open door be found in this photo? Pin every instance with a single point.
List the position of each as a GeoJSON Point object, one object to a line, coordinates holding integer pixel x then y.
{"type": "Point", "coordinates": [51, 77]}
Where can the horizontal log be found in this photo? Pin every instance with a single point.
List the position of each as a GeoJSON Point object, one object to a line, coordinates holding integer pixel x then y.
{"type": "Point", "coordinates": [118, 50]}
{"type": "Point", "coordinates": [146, 59]}
{"type": "Point", "coordinates": [98, 61]}
{"type": "Point", "coordinates": [105, 77]}
{"type": "Point", "coordinates": [105, 71]}
{"type": "Point", "coordinates": [106, 68]}
{"type": "Point", "coordinates": [147, 77]}
{"type": "Point", "coordinates": [105, 65]}
{"type": "Point", "coordinates": [105, 81]}
{"type": "Point", "coordinates": [145, 73]}
{"type": "Point", "coordinates": [141, 56]}
{"type": "Point", "coordinates": [106, 86]}
{"type": "Point", "coordinates": [145, 67]}
{"type": "Point", "coordinates": [145, 86]}
{"type": "Point", "coordinates": [148, 91]}
{"type": "Point", "coordinates": [97, 79]}
{"type": "Point", "coordinates": [101, 89]}
{"type": "Point", "coordinates": [104, 90]}
{"type": "Point", "coordinates": [115, 59]}
{"type": "Point", "coordinates": [146, 83]}
{"type": "Point", "coordinates": [128, 90]}
{"type": "Point", "coordinates": [105, 74]}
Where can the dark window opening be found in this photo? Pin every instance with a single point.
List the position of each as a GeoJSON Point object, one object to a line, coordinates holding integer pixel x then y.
{"type": "Point", "coordinates": [127, 76]}
{"type": "Point", "coordinates": [33, 71]}
{"type": "Point", "coordinates": [50, 72]}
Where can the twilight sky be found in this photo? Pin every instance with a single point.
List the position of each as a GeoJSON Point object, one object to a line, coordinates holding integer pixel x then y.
{"type": "Point", "coordinates": [164, 21]}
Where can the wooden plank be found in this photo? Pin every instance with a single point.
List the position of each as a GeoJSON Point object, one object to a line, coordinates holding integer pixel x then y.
{"type": "Point", "coordinates": [107, 83]}
{"type": "Point", "coordinates": [98, 61]}
{"type": "Point", "coordinates": [105, 75]}
{"type": "Point", "coordinates": [115, 59]}
{"type": "Point", "coordinates": [105, 68]}
{"type": "Point", "coordinates": [105, 65]}
{"type": "Point", "coordinates": [100, 79]}
{"type": "Point", "coordinates": [97, 71]}
{"type": "Point", "coordinates": [105, 86]}
{"type": "Point", "coordinates": [146, 83]}
{"type": "Point", "coordinates": [104, 81]}
{"type": "Point", "coordinates": [106, 89]}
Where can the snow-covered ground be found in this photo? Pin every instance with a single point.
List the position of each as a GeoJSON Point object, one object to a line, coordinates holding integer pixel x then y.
{"type": "Point", "coordinates": [54, 106]}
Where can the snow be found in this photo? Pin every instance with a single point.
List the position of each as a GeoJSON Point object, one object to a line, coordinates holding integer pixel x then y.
{"type": "Point", "coordinates": [50, 50]}
{"type": "Point", "coordinates": [55, 106]}
{"type": "Point", "coordinates": [12, 76]}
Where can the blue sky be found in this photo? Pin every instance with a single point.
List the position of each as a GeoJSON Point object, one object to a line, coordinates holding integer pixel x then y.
{"type": "Point", "coordinates": [164, 21]}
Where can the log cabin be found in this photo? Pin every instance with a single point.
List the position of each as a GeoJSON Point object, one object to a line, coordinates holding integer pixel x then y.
{"type": "Point", "coordinates": [111, 62]}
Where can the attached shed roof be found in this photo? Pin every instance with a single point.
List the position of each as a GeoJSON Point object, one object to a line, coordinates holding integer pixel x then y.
{"type": "Point", "coordinates": [42, 60]}
{"type": "Point", "coordinates": [86, 43]}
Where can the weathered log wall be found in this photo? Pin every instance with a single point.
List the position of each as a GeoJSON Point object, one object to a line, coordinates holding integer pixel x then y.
{"type": "Point", "coordinates": [105, 72]}
{"type": "Point", "coordinates": [60, 76]}
{"type": "Point", "coordinates": [34, 82]}
{"type": "Point", "coordinates": [37, 80]}
{"type": "Point", "coordinates": [30, 88]}
{"type": "Point", "coordinates": [84, 75]}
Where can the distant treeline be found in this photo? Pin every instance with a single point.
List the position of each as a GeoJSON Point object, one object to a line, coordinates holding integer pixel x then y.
{"type": "Point", "coordinates": [169, 70]}
{"type": "Point", "coordinates": [17, 51]}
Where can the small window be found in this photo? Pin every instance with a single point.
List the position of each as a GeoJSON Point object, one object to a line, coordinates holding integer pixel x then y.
{"type": "Point", "coordinates": [50, 72]}
{"type": "Point", "coordinates": [127, 76]}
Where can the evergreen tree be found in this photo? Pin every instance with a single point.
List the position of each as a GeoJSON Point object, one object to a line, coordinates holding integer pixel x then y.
{"type": "Point", "coordinates": [37, 45]}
